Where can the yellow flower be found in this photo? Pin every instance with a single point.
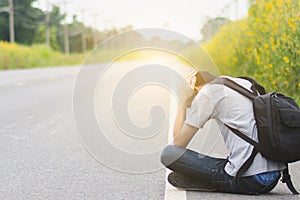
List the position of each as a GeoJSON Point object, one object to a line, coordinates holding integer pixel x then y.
{"type": "Point", "coordinates": [271, 77]}
{"type": "Point", "coordinates": [268, 66]}
{"type": "Point", "coordinates": [287, 69]}
{"type": "Point", "coordinates": [266, 46]}
{"type": "Point", "coordinates": [286, 59]}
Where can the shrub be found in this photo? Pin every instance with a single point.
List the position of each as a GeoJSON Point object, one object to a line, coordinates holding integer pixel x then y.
{"type": "Point", "coordinates": [264, 46]}
{"type": "Point", "coordinates": [14, 56]}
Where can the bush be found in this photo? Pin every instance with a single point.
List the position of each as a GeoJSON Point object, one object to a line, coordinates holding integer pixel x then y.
{"type": "Point", "coordinates": [264, 46]}
{"type": "Point", "coordinates": [14, 56]}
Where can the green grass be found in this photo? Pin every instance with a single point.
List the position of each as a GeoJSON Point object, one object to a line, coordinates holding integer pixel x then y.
{"type": "Point", "coordinates": [14, 56]}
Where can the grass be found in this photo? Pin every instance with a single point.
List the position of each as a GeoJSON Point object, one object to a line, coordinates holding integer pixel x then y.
{"type": "Point", "coordinates": [15, 56]}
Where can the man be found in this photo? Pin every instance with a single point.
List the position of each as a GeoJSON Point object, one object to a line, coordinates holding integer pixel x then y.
{"type": "Point", "coordinates": [193, 171]}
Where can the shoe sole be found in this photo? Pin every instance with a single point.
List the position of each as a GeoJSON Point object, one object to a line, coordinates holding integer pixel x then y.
{"type": "Point", "coordinates": [180, 182]}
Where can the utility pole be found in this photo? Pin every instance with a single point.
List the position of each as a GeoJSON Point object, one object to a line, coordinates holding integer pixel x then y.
{"type": "Point", "coordinates": [236, 9]}
{"type": "Point", "coordinates": [11, 22]}
{"type": "Point", "coordinates": [10, 10]}
{"type": "Point", "coordinates": [66, 32]}
{"type": "Point", "coordinates": [47, 25]}
{"type": "Point", "coordinates": [67, 46]}
{"type": "Point", "coordinates": [106, 31]}
{"type": "Point", "coordinates": [95, 35]}
{"type": "Point", "coordinates": [83, 39]}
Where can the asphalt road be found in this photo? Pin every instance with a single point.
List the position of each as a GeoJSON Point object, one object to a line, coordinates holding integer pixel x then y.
{"type": "Point", "coordinates": [43, 157]}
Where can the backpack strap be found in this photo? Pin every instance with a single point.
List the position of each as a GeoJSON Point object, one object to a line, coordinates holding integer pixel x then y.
{"type": "Point", "coordinates": [247, 164]}
{"type": "Point", "coordinates": [286, 178]}
{"type": "Point", "coordinates": [250, 160]}
{"type": "Point", "coordinates": [234, 86]}
{"type": "Point", "coordinates": [256, 87]}
{"type": "Point", "coordinates": [244, 137]}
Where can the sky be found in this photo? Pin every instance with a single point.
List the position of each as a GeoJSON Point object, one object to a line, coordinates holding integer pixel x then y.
{"type": "Point", "coordinates": [183, 16]}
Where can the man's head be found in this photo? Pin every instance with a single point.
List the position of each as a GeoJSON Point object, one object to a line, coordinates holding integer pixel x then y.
{"type": "Point", "coordinates": [204, 77]}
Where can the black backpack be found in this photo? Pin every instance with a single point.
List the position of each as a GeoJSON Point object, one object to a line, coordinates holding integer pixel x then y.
{"type": "Point", "coordinates": [278, 124]}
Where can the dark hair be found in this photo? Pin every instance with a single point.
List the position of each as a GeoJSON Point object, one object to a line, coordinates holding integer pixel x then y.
{"type": "Point", "coordinates": [204, 77]}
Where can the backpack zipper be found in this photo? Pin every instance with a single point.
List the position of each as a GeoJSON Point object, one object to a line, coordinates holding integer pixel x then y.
{"type": "Point", "coordinates": [274, 117]}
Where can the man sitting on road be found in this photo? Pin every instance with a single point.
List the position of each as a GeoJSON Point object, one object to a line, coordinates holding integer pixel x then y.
{"type": "Point", "coordinates": [194, 171]}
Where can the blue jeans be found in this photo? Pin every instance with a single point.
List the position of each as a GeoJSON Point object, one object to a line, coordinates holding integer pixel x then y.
{"type": "Point", "coordinates": [211, 170]}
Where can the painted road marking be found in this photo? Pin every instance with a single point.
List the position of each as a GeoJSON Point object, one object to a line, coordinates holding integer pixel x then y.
{"type": "Point", "coordinates": [171, 193]}
{"type": "Point", "coordinates": [52, 78]}
{"type": "Point", "coordinates": [20, 84]}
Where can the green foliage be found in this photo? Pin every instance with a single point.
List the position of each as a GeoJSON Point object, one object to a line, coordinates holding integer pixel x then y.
{"type": "Point", "coordinates": [26, 21]}
{"type": "Point", "coordinates": [56, 17]}
{"type": "Point", "coordinates": [264, 46]}
{"type": "Point", "coordinates": [40, 37]}
{"type": "Point", "coordinates": [30, 28]}
{"type": "Point", "coordinates": [14, 56]}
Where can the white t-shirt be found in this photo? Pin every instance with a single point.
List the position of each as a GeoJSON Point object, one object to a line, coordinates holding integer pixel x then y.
{"type": "Point", "coordinates": [226, 106]}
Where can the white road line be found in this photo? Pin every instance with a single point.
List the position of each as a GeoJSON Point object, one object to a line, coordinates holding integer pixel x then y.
{"type": "Point", "coordinates": [20, 84]}
{"type": "Point", "coordinates": [171, 193]}
{"type": "Point", "coordinates": [52, 78]}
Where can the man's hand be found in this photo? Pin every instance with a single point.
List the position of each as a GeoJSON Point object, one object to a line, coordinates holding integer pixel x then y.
{"type": "Point", "coordinates": [188, 90]}
{"type": "Point", "coordinates": [183, 133]}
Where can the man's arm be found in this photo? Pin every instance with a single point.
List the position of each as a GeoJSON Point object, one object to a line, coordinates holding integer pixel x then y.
{"type": "Point", "coordinates": [185, 135]}
{"type": "Point", "coordinates": [182, 133]}
{"type": "Point", "coordinates": [180, 118]}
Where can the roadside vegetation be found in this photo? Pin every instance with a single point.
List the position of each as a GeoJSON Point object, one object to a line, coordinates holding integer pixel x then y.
{"type": "Point", "coordinates": [264, 46]}
{"type": "Point", "coordinates": [14, 56]}
{"type": "Point", "coordinates": [35, 48]}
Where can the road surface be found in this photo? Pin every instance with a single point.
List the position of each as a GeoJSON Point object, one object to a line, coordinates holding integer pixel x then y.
{"type": "Point", "coordinates": [43, 157]}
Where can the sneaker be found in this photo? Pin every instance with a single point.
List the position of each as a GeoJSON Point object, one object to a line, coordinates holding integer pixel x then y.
{"type": "Point", "coordinates": [183, 182]}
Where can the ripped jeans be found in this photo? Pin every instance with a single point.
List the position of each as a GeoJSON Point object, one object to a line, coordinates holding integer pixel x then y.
{"type": "Point", "coordinates": [211, 170]}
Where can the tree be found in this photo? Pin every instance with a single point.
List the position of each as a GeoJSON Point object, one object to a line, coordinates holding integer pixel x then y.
{"type": "Point", "coordinates": [75, 28]}
{"type": "Point", "coordinates": [27, 20]}
{"type": "Point", "coordinates": [54, 25]}
{"type": "Point", "coordinates": [212, 26]}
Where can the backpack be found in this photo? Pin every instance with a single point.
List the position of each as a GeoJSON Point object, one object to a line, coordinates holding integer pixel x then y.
{"type": "Point", "coordinates": [278, 124]}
